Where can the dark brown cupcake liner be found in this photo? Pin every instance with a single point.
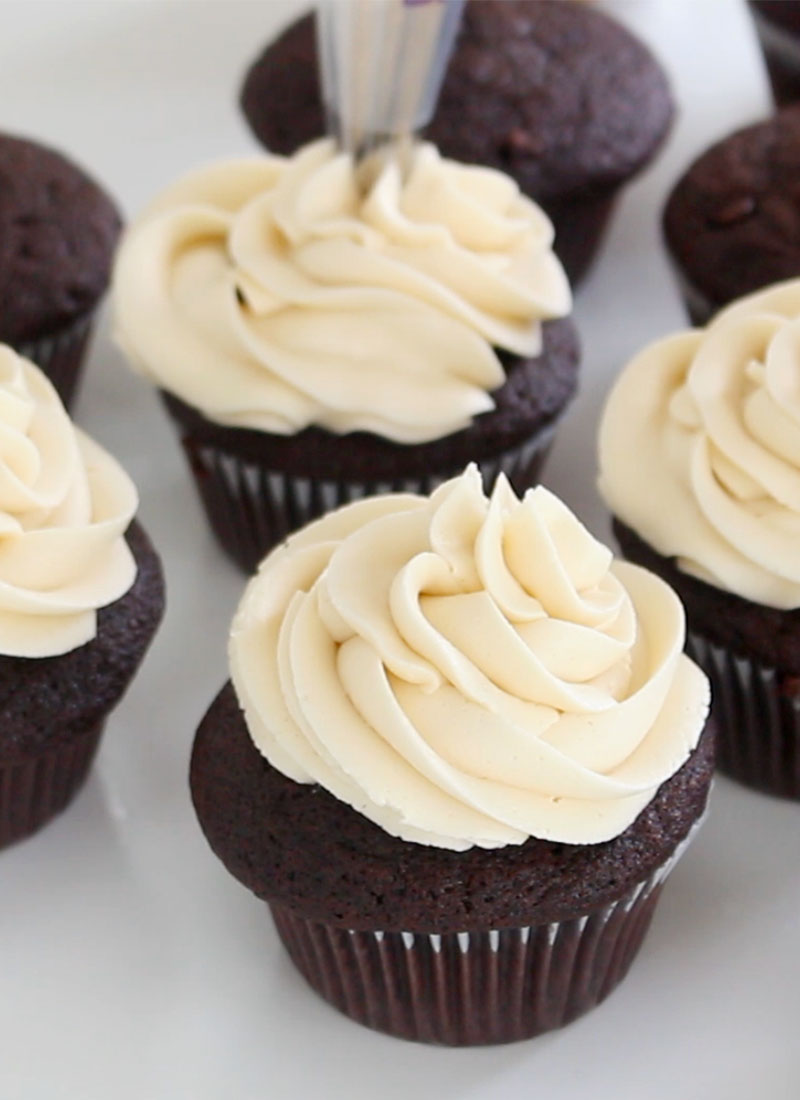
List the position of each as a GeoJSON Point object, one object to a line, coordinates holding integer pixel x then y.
{"type": "Point", "coordinates": [252, 508]}
{"type": "Point", "coordinates": [474, 988]}
{"type": "Point", "coordinates": [781, 50]}
{"type": "Point", "coordinates": [580, 222]}
{"type": "Point", "coordinates": [756, 712]}
{"type": "Point", "coordinates": [61, 356]}
{"type": "Point", "coordinates": [36, 788]}
{"type": "Point", "coordinates": [698, 305]}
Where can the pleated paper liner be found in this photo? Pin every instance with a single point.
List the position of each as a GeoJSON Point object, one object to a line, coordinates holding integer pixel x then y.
{"type": "Point", "coordinates": [61, 356]}
{"type": "Point", "coordinates": [252, 508]}
{"type": "Point", "coordinates": [35, 788]}
{"type": "Point", "coordinates": [473, 988]}
{"type": "Point", "coordinates": [757, 716]}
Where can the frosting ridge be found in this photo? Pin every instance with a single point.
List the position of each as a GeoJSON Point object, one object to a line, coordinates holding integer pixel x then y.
{"type": "Point", "coordinates": [465, 671]}
{"type": "Point", "coordinates": [713, 418]}
{"type": "Point", "coordinates": [273, 294]}
{"type": "Point", "coordinates": [64, 507]}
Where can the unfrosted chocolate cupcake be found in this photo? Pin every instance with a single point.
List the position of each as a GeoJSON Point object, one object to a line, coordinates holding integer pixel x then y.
{"type": "Point", "coordinates": [732, 221]}
{"type": "Point", "coordinates": [458, 800]}
{"type": "Point", "coordinates": [560, 96]}
{"type": "Point", "coordinates": [82, 595]}
{"type": "Point", "coordinates": [777, 23]}
{"type": "Point", "coordinates": [58, 230]}
{"type": "Point", "coordinates": [316, 342]}
{"type": "Point", "coordinates": [700, 464]}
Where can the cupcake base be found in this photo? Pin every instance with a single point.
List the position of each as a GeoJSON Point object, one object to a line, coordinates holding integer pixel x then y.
{"type": "Point", "coordinates": [750, 654]}
{"type": "Point", "coordinates": [698, 305]}
{"type": "Point", "coordinates": [757, 716]}
{"type": "Point", "coordinates": [61, 356]}
{"type": "Point", "coordinates": [35, 789]}
{"type": "Point", "coordinates": [472, 947]}
{"type": "Point", "coordinates": [473, 988]}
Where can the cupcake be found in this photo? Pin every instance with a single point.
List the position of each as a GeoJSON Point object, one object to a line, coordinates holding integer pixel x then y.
{"type": "Point", "coordinates": [317, 340]}
{"type": "Point", "coordinates": [732, 221]}
{"type": "Point", "coordinates": [560, 96]}
{"type": "Point", "coordinates": [700, 464]}
{"type": "Point", "coordinates": [80, 598]}
{"type": "Point", "coordinates": [58, 230]}
{"type": "Point", "coordinates": [461, 751]}
{"type": "Point", "coordinates": [777, 24]}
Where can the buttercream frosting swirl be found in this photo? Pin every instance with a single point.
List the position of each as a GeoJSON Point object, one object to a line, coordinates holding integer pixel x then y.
{"type": "Point", "coordinates": [700, 448]}
{"type": "Point", "coordinates": [64, 507]}
{"type": "Point", "coordinates": [467, 671]}
{"type": "Point", "coordinates": [271, 293]}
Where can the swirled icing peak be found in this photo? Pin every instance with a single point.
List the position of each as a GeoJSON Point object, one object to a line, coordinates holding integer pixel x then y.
{"type": "Point", "coordinates": [272, 293]}
{"type": "Point", "coordinates": [700, 448]}
{"type": "Point", "coordinates": [64, 508]}
{"type": "Point", "coordinates": [467, 671]}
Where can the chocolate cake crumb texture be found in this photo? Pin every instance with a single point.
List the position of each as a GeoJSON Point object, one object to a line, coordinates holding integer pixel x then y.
{"type": "Point", "coordinates": [58, 230]}
{"type": "Point", "coordinates": [46, 701]}
{"type": "Point", "coordinates": [298, 845]}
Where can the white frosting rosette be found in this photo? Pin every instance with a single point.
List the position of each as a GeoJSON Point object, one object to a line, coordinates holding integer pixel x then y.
{"type": "Point", "coordinates": [64, 507]}
{"type": "Point", "coordinates": [700, 448]}
{"type": "Point", "coordinates": [465, 671]}
{"type": "Point", "coordinates": [274, 293]}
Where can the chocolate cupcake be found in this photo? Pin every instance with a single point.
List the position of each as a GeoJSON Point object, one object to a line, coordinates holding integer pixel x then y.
{"type": "Point", "coordinates": [559, 96]}
{"type": "Point", "coordinates": [316, 342]}
{"type": "Point", "coordinates": [461, 792]}
{"type": "Point", "coordinates": [58, 230]}
{"type": "Point", "coordinates": [82, 595]}
{"type": "Point", "coordinates": [711, 502]}
{"type": "Point", "coordinates": [777, 23]}
{"type": "Point", "coordinates": [732, 221]}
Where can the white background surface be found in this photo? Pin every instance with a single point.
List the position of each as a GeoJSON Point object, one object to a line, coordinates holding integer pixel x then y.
{"type": "Point", "coordinates": [132, 967]}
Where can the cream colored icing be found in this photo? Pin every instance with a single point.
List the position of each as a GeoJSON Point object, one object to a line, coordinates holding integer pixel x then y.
{"type": "Point", "coordinates": [272, 293]}
{"type": "Point", "coordinates": [64, 507]}
{"type": "Point", "coordinates": [700, 448]}
{"type": "Point", "coordinates": [465, 671]}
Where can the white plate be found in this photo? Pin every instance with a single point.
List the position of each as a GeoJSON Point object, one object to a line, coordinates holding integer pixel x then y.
{"type": "Point", "coordinates": [132, 967]}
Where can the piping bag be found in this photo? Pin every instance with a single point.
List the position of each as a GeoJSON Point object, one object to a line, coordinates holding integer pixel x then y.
{"type": "Point", "coordinates": [382, 63]}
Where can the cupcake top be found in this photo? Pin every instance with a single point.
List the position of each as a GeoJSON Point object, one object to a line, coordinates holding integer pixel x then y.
{"type": "Point", "coordinates": [64, 507]}
{"type": "Point", "coordinates": [58, 230]}
{"type": "Point", "coordinates": [466, 671]}
{"type": "Point", "coordinates": [277, 293]}
{"type": "Point", "coordinates": [732, 220]}
{"type": "Point", "coordinates": [700, 448]}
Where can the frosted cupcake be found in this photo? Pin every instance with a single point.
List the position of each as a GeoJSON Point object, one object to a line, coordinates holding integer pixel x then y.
{"type": "Point", "coordinates": [317, 339]}
{"type": "Point", "coordinates": [700, 464]}
{"type": "Point", "coordinates": [81, 594]}
{"type": "Point", "coordinates": [462, 750]}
